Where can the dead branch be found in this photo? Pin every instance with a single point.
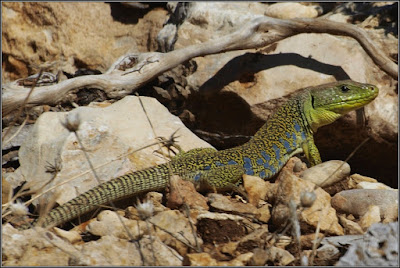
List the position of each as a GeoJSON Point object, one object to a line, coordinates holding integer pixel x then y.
{"type": "Point", "coordinates": [132, 71]}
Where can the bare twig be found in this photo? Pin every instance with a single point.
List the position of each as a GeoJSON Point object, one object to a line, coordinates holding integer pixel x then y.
{"type": "Point", "coordinates": [73, 127]}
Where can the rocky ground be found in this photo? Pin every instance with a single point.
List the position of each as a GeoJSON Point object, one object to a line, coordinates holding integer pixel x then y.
{"type": "Point", "coordinates": [305, 216]}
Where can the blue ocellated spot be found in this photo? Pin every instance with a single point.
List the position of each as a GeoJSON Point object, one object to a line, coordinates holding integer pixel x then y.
{"type": "Point", "coordinates": [273, 170]}
{"type": "Point", "coordinates": [248, 166]}
{"type": "Point", "coordinates": [262, 174]}
{"type": "Point", "coordinates": [247, 163]}
{"type": "Point", "coordinates": [303, 135]}
{"type": "Point", "coordinates": [294, 137]}
{"type": "Point", "coordinates": [232, 162]}
{"type": "Point", "coordinates": [296, 126]}
{"type": "Point", "coordinates": [218, 164]}
{"type": "Point", "coordinates": [197, 177]}
{"type": "Point", "coordinates": [260, 162]}
{"type": "Point", "coordinates": [266, 156]}
{"type": "Point", "coordinates": [288, 135]}
{"type": "Point", "coordinates": [277, 154]}
{"type": "Point", "coordinates": [285, 144]}
{"type": "Point", "coordinates": [267, 166]}
{"type": "Point", "coordinates": [207, 167]}
{"type": "Point", "coordinates": [249, 172]}
{"type": "Point", "coordinates": [270, 168]}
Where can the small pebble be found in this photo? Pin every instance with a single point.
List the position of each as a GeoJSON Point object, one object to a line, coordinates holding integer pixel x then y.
{"type": "Point", "coordinates": [70, 236]}
{"type": "Point", "coordinates": [373, 185]}
{"type": "Point", "coordinates": [327, 173]}
{"type": "Point", "coordinates": [358, 201]}
{"type": "Point", "coordinates": [370, 217]}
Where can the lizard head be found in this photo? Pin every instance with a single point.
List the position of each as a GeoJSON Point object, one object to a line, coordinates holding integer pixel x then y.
{"type": "Point", "coordinates": [330, 101]}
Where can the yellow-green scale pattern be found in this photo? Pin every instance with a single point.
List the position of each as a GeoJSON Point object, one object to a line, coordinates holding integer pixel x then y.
{"type": "Point", "coordinates": [287, 132]}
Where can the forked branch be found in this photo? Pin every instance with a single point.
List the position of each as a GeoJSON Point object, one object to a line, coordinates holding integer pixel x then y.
{"type": "Point", "coordinates": [132, 71]}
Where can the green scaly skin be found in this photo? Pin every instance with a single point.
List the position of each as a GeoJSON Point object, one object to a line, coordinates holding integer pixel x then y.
{"type": "Point", "coordinates": [287, 132]}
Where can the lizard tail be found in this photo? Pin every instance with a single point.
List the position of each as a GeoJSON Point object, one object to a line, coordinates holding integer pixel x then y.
{"type": "Point", "coordinates": [151, 179]}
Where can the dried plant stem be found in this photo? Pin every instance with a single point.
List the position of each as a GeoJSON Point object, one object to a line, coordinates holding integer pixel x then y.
{"type": "Point", "coordinates": [99, 182]}
{"type": "Point", "coordinates": [23, 104]}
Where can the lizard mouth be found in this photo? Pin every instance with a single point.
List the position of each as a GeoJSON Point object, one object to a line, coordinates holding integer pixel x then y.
{"type": "Point", "coordinates": [343, 106]}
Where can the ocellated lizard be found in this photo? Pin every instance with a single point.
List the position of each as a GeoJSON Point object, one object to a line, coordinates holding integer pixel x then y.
{"type": "Point", "coordinates": [287, 132]}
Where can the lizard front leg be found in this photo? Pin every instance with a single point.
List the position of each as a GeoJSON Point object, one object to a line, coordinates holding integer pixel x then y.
{"type": "Point", "coordinates": [311, 151]}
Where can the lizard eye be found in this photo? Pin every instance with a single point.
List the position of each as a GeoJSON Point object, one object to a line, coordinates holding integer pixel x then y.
{"type": "Point", "coordinates": [344, 88]}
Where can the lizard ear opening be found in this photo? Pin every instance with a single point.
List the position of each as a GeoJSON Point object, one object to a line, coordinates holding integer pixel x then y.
{"type": "Point", "coordinates": [312, 101]}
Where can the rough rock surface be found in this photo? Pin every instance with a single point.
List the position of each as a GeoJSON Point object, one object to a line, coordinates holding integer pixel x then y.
{"type": "Point", "coordinates": [351, 227]}
{"type": "Point", "coordinates": [108, 223]}
{"type": "Point", "coordinates": [379, 247]}
{"type": "Point", "coordinates": [172, 222]}
{"type": "Point", "coordinates": [370, 217]}
{"type": "Point", "coordinates": [110, 250]}
{"type": "Point", "coordinates": [290, 188]}
{"type": "Point", "coordinates": [25, 249]}
{"type": "Point", "coordinates": [291, 11]}
{"type": "Point", "coordinates": [86, 35]}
